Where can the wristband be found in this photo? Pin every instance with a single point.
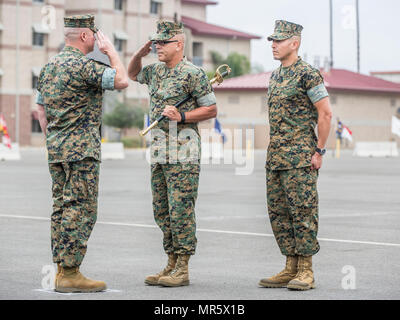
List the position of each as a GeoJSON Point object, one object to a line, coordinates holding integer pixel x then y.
{"type": "Point", "coordinates": [183, 118]}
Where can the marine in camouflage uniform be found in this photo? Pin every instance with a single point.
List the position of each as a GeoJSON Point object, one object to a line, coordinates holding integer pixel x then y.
{"type": "Point", "coordinates": [175, 163]}
{"type": "Point", "coordinates": [71, 90]}
{"type": "Point", "coordinates": [292, 196]}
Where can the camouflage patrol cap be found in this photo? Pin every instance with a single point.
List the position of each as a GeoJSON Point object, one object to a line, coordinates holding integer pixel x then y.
{"type": "Point", "coordinates": [81, 21]}
{"type": "Point", "coordinates": [166, 30]}
{"type": "Point", "coordinates": [285, 30]}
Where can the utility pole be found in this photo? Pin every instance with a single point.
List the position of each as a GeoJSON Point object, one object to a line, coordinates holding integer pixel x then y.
{"type": "Point", "coordinates": [358, 35]}
{"type": "Point", "coordinates": [331, 32]}
{"type": "Point", "coordinates": [100, 13]}
{"type": "Point", "coordinates": [17, 101]}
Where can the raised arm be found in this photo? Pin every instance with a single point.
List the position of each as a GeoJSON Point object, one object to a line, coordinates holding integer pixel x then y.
{"type": "Point", "coordinates": [135, 65]}
{"type": "Point", "coordinates": [106, 47]}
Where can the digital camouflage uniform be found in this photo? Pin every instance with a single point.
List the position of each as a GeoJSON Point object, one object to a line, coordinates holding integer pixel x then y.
{"type": "Point", "coordinates": [291, 183]}
{"type": "Point", "coordinates": [175, 166]}
{"type": "Point", "coordinates": [71, 90]}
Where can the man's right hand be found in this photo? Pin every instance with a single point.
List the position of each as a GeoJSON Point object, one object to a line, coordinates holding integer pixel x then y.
{"type": "Point", "coordinates": [144, 50]}
{"type": "Point", "coordinates": [104, 43]}
{"type": "Point", "coordinates": [136, 62]}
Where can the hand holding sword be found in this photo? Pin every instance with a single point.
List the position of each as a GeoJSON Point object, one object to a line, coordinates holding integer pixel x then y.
{"type": "Point", "coordinates": [171, 111]}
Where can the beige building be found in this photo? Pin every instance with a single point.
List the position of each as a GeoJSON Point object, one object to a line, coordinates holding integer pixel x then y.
{"type": "Point", "coordinates": [364, 104]}
{"type": "Point", "coordinates": [204, 38]}
{"type": "Point", "coordinates": [31, 31]}
{"type": "Point", "coordinates": [393, 76]}
{"type": "Point", "coordinates": [27, 40]}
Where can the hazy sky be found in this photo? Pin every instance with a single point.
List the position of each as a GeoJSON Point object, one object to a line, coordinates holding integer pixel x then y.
{"type": "Point", "coordinates": [379, 29]}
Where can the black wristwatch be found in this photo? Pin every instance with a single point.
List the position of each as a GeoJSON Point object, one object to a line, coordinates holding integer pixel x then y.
{"type": "Point", "coordinates": [321, 151]}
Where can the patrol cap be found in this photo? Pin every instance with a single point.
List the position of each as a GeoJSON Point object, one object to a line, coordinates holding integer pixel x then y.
{"type": "Point", "coordinates": [167, 30]}
{"type": "Point", "coordinates": [81, 21]}
{"type": "Point", "coordinates": [285, 30]}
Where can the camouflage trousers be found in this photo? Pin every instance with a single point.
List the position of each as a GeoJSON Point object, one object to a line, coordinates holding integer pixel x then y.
{"type": "Point", "coordinates": [174, 188]}
{"type": "Point", "coordinates": [75, 189]}
{"type": "Point", "coordinates": [292, 200]}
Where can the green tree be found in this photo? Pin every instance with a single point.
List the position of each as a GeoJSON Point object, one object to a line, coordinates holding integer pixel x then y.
{"type": "Point", "coordinates": [124, 117]}
{"type": "Point", "coordinates": [239, 63]}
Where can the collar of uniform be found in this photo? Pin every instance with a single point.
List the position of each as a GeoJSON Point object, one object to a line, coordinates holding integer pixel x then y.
{"type": "Point", "coordinates": [292, 66]}
{"type": "Point", "coordinates": [74, 50]}
{"type": "Point", "coordinates": [179, 65]}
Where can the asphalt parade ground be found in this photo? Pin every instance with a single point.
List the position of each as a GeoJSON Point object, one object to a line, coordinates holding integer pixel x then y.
{"type": "Point", "coordinates": [359, 233]}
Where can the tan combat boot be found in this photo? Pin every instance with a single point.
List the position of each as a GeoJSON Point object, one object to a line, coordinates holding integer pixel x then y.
{"type": "Point", "coordinates": [281, 279]}
{"type": "Point", "coordinates": [180, 275]}
{"type": "Point", "coordinates": [71, 280]}
{"type": "Point", "coordinates": [153, 279]}
{"type": "Point", "coordinates": [57, 274]}
{"type": "Point", "coordinates": [304, 279]}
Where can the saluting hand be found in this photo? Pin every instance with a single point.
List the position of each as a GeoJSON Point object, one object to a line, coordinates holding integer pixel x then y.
{"type": "Point", "coordinates": [104, 43]}
{"type": "Point", "coordinates": [144, 50]}
{"type": "Point", "coordinates": [172, 113]}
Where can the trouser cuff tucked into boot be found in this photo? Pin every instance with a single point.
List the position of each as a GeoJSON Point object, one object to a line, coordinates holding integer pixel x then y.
{"type": "Point", "coordinates": [304, 279]}
{"type": "Point", "coordinates": [152, 280]}
{"type": "Point", "coordinates": [180, 275]}
{"type": "Point", "coordinates": [281, 279]}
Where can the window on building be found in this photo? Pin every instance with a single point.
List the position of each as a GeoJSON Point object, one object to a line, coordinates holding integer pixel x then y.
{"type": "Point", "coordinates": [120, 39]}
{"type": "Point", "coordinates": [35, 80]}
{"type": "Point", "coordinates": [264, 104]}
{"type": "Point", "coordinates": [36, 125]}
{"type": "Point", "coordinates": [333, 99]}
{"type": "Point", "coordinates": [38, 1]}
{"type": "Point", "coordinates": [198, 54]}
{"type": "Point", "coordinates": [234, 99]}
{"type": "Point", "coordinates": [119, 5]}
{"type": "Point", "coordinates": [392, 102]}
{"type": "Point", "coordinates": [38, 39]}
{"type": "Point", "coordinates": [155, 6]}
{"type": "Point", "coordinates": [119, 44]}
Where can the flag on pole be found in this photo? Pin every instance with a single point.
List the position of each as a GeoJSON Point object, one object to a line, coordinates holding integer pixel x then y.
{"type": "Point", "coordinates": [146, 121]}
{"type": "Point", "coordinates": [3, 129]}
{"type": "Point", "coordinates": [218, 128]}
{"type": "Point", "coordinates": [347, 134]}
{"type": "Point", "coordinates": [396, 126]}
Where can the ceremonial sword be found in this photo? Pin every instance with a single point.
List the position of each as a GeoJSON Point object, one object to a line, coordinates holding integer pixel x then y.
{"type": "Point", "coordinates": [219, 78]}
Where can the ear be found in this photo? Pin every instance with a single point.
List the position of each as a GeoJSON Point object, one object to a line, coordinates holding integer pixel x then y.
{"type": "Point", "coordinates": [296, 43]}
{"type": "Point", "coordinates": [83, 36]}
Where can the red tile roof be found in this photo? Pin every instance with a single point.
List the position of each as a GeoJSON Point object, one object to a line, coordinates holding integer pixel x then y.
{"type": "Point", "coordinates": [384, 72]}
{"type": "Point", "coordinates": [202, 2]}
{"type": "Point", "coordinates": [336, 79]}
{"type": "Point", "coordinates": [203, 28]}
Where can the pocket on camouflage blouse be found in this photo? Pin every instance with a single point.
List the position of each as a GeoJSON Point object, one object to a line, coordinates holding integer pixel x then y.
{"type": "Point", "coordinates": [288, 92]}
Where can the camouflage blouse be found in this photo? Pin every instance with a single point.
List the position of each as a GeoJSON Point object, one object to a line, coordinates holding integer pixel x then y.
{"type": "Point", "coordinates": [167, 86]}
{"type": "Point", "coordinates": [71, 90]}
{"type": "Point", "coordinates": [293, 117]}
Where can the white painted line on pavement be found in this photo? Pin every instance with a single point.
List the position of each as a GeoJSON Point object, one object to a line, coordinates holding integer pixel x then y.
{"type": "Point", "coordinates": [210, 230]}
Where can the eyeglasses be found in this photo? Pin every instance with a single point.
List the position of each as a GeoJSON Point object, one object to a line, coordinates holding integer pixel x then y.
{"type": "Point", "coordinates": [163, 42]}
